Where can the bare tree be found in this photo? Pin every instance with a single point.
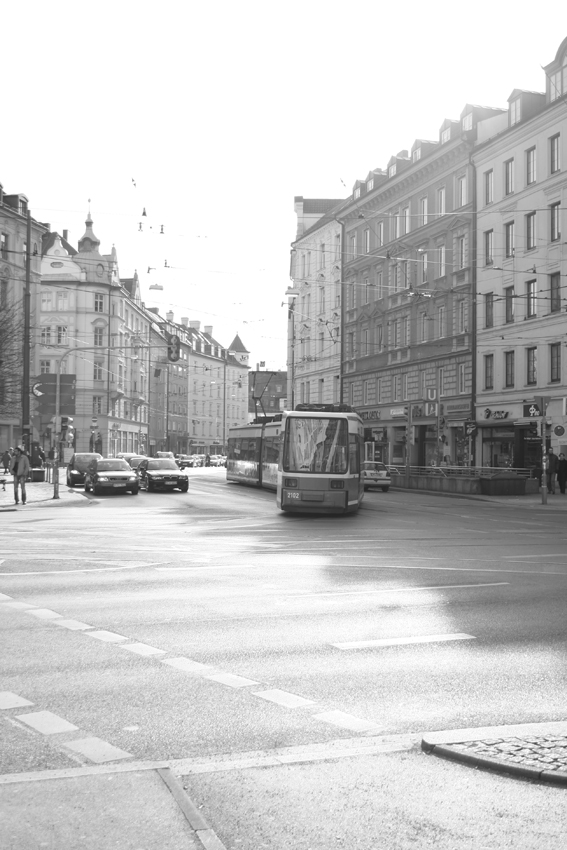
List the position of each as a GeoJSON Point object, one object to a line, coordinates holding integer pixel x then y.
{"type": "Point", "coordinates": [11, 368]}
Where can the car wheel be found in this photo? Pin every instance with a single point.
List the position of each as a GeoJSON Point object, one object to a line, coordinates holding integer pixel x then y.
{"type": "Point", "coordinates": [69, 482]}
{"type": "Point", "coordinates": [87, 487]}
{"type": "Point", "coordinates": [96, 491]}
{"type": "Point", "coordinates": [184, 488]}
{"type": "Point", "coordinates": [149, 487]}
{"type": "Point", "coordinates": [385, 489]}
{"type": "Point", "coordinates": [134, 491]}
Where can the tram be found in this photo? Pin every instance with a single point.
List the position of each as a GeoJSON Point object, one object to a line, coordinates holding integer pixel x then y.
{"type": "Point", "coordinates": [253, 454]}
{"type": "Point", "coordinates": [321, 460]}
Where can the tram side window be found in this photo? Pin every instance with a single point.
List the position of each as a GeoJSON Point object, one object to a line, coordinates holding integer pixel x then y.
{"type": "Point", "coordinates": [234, 449]}
{"type": "Point", "coordinates": [250, 449]}
{"type": "Point", "coordinates": [271, 450]}
{"type": "Point", "coordinates": [354, 443]}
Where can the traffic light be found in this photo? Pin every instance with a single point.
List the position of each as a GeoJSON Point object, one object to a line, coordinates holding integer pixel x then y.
{"type": "Point", "coordinates": [67, 429]}
{"type": "Point", "coordinates": [173, 348]}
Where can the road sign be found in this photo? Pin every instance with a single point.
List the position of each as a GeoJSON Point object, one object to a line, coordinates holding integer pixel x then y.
{"type": "Point", "coordinates": [431, 393]}
{"type": "Point", "coordinates": [431, 408]}
{"type": "Point", "coordinates": [36, 389]}
{"type": "Point", "coordinates": [44, 389]}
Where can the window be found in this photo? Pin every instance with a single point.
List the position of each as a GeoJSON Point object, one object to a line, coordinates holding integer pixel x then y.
{"type": "Point", "coordinates": [461, 384]}
{"type": "Point", "coordinates": [515, 111]}
{"type": "Point", "coordinates": [441, 261]}
{"type": "Point", "coordinates": [62, 300]}
{"type": "Point", "coordinates": [3, 294]}
{"type": "Point", "coordinates": [4, 246]}
{"type": "Point", "coordinates": [397, 387]}
{"type": "Point", "coordinates": [461, 191]}
{"type": "Point", "coordinates": [467, 122]}
{"type": "Point", "coordinates": [366, 392]}
{"type": "Point", "coordinates": [554, 164]}
{"type": "Point", "coordinates": [555, 292]}
{"type": "Point", "coordinates": [422, 384]}
{"type": "Point", "coordinates": [461, 252]}
{"type": "Point", "coordinates": [405, 385]}
{"type": "Point", "coordinates": [555, 227]}
{"type": "Point", "coordinates": [392, 170]}
{"type": "Point", "coordinates": [509, 368]}
{"type": "Point", "coordinates": [509, 239]}
{"type": "Point", "coordinates": [441, 321]}
{"type": "Point", "coordinates": [488, 186]}
{"type": "Point", "coordinates": [405, 221]}
{"type": "Point", "coordinates": [397, 333]}
{"type": "Point", "coordinates": [509, 302]}
{"type": "Point", "coordinates": [555, 85]}
{"type": "Point", "coordinates": [97, 404]}
{"type": "Point", "coordinates": [62, 335]}
{"type": "Point", "coordinates": [46, 302]}
{"type": "Point", "coordinates": [322, 299]}
{"type": "Point", "coordinates": [353, 247]}
{"type": "Point", "coordinates": [370, 184]}
{"type": "Point", "coordinates": [423, 211]}
{"type": "Point", "coordinates": [442, 387]}
{"type": "Point", "coordinates": [406, 331]}
{"type": "Point", "coordinates": [380, 233]}
{"type": "Point", "coordinates": [531, 364]}
{"type": "Point", "coordinates": [462, 316]}
{"type": "Point", "coordinates": [489, 371]}
{"type": "Point", "coordinates": [489, 310]}
{"type": "Point", "coordinates": [337, 246]}
{"type": "Point", "coordinates": [423, 327]}
{"type": "Point", "coordinates": [367, 241]}
{"type": "Point", "coordinates": [441, 201]}
{"type": "Point", "coordinates": [423, 267]}
{"type": "Point", "coordinates": [488, 242]}
{"type": "Point", "coordinates": [99, 336]}
{"type": "Point", "coordinates": [44, 367]}
{"type": "Point", "coordinates": [97, 370]}
{"type": "Point", "coordinates": [379, 287]}
{"type": "Point", "coordinates": [530, 166]}
{"type": "Point", "coordinates": [365, 348]}
{"type": "Point", "coordinates": [530, 231]}
{"type": "Point", "coordinates": [309, 263]}
{"type": "Point", "coordinates": [379, 391]}
{"type": "Point", "coordinates": [446, 135]}
{"type": "Point", "coordinates": [99, 303]}
{"type": "Point", "coordinates": [366, 290]}
{"type": "Point", "coordinates": [379, 338]}
{"type": "Point", "coordinates": [509, 177]}
{"type": "Point", "coordinates": [416, 155]}
{"type": "Point", "coordinates": [46, 335]}
{"type": "Point", "coordinates": [531, 301]}
{"type": "Point", "coordinates": [350, 345]}
{"type": "Point", "coordinates": [555, 362]}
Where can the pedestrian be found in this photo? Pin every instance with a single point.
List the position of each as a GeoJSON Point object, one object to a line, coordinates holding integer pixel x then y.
{"type": "Point", "coordinates": [6, 460]}
{"type": "Point", "coordinates": [20, 468]}
{"type": "Point", "coordinates": [562, 472]}
{"type": "Point", "coordinates": [551, 470]}
{"type": "Point", "coordinates": [208, 460]}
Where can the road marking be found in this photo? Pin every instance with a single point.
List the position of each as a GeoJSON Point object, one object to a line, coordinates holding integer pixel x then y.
{"type": "Point", "coordinates": [10, 700]}
{"type": "Point", "coordinates": [18, 605]}
{"type": "Point", "coordinates": [110, 637]}
{"type": "Point", "coordinates": [284, 698]}
{"type": "Point", "coordinates": [231, 680]}
{"type": "Point", "coordinates": [346, 721]}
{"type": "Point", "coordinates": [44, 614]}
{"type": "Point", "coordinates": [46, 722]}
{"type": "Point", "coordinates": [3, 596]}
{"type": "Point", "coordinates": [143, 649]}
{"type": "Point", "coordinates": [74, 625]}
{"type": "Point", "coordinates": [71, 572]}
{"type": "Point", "coordinates": [97, 750]}
{"type": "Point", "coordinates": [187, 665]}
{"type": "Point", "coordinates": [408, 589]}
{"type": "Point", "coordinates": [402, 641]}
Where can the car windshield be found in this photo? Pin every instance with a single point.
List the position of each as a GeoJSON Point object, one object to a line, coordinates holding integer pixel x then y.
{"type": "Point", "coordinates": [316, 445]}
{"type": "Point", "coordinates": [111, 465]}
{"type": "Point", "coordinates": [374, 465]}
{"type": "Point", "coordinates": [162, 464]}
{"type": "Point", "coordinates": [82, 461]}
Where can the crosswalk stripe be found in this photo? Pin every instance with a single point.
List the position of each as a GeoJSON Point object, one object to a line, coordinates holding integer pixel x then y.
{"type": "Point", "coordinates": [187, 665]}
{"type": "Point", "coordinates": [231, 680]}
{"type": "Point", "coordinates": [142, 649]}
{"type": "Point", "coordinates": [109, 637]}
{"type": "Point", "coordinates": [46, 722]}
{"type": "Point", "coordinates": [284, 698]}
{"type": "Point", "coordinates": [73, 625]}
{"type": "Point", "coordinates": [346, 721]}
{"type": "Point", "coordinates": [10, 700]}
{"type": "Point", "coordinates": [44, 614]}
{"type": "Point", "coordinates": [97, 750]}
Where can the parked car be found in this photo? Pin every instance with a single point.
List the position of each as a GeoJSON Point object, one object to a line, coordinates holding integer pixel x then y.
{"type": "Point", "coordinates": [136, 460]}
{"type": "Point", "coordinates": [199, 460]}
{"type": "Point", "coordinates": [166, 454]}
{"type": "Point", "coordinates": [77, 467]}
{"type": "Point", "coordinates": [111, 473]}
{"type": "Point", "coordinates": [127, 455]}
{"type": "Point", "coordinates": [376, 474]}
{"type": "Point", "coordinates": [218, 460]}
{"type": "Point", "coordinates": [158, 473]}
{"type": "Point", "coordinates": [183, 461]}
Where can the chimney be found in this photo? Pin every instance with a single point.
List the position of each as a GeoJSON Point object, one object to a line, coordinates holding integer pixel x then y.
{"type": "Point", "coordinates": [169, 316]}
{"type": "Point", "coordinates": [66, 235]}
{"type": "Point", "coordinates": [209, 330]}
{"type": "Point", "coordinates": [184, 321]}
{"type": "Point", "coordinates": [195, 325]}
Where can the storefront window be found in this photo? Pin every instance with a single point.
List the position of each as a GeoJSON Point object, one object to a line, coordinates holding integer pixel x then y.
{"type": "Point", "coordinates": [498, 447]}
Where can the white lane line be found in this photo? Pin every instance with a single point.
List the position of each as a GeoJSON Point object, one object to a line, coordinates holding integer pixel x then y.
{"type": "Point", "coordinates": [346, 721]}
{"type": "Point", "coordinates": [44, 614]}
{"type": "Point", "coordinates": [97, 750]}
{"type": "Point", "coordinates": [142, 649]}
{"type": "Point", "coordinates": [187, 665]}
{"type": "Point", "coordinates": [4, 596]}
{"type": "Point", "coordinates": [402, 641]}
{"type": "Point", "coordinates": [109, 637]}
{"type": "Point", "coordinates": [70, 572]}
{"type": "Point", "coordinates": [20, 606]}
{"type": "Point", "coordinates": [10, 700]}
{"type": "Point", "coordinates": [231, 680]}
{"type": "Point", "coordinates": [46, 722]}
{"type": "Point", "coordinates": [284, 698]}
{"type": "Point", "coordinates": [408, 589]}
{"type": "Point", "coordinates": [74, 625]}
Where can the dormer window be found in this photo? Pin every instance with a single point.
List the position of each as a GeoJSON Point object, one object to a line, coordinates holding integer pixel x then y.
{"type": "Point", "coordinates": [555, 85]}
{"type": "Point", "coordinates": [467, 122]}
{"type": "Point", "coordinates": [370, 185]}
{"type": "Point", "coordinates": [416, 155]}
{"type": "Point", "coordinates": [446, 136]}
{"type": "Point", "coordinates": [392, 170]}
{"type": "Point", "coordinates": [356, 193]}
{"type": "Point", "coordinates": [515, 112]}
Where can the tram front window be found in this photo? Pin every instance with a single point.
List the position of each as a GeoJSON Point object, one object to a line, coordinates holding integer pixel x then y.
{"type": "Point", "coordinates": [316, 445]}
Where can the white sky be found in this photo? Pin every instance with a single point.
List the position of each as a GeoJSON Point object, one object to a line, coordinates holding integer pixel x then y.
{"type": "Point", "coordinates": [222, 112]}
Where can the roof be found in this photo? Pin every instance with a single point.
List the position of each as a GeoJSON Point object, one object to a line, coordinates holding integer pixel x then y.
{"type": "Point", "coordinates": [319, 205]}
{"type": "Point", "coordinates": [237, 345]}
{"type": "Point", "coordinates": [48, 240]}
{"type": "Point", "coordinates": [326, 219]}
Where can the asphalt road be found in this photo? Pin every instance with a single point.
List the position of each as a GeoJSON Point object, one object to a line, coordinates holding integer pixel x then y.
{"type": "Point", "coordinates": [209, 627]}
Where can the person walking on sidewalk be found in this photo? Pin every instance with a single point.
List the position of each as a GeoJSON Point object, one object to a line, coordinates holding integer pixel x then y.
{"type": "Point", "coordinates": [6, 460]}
{"type": "Point", "coordinates": [562, 472]}
{"type": "Point", "coordinates": [551, 470]}
{"type": "Point", "coordinates": [20, 468]}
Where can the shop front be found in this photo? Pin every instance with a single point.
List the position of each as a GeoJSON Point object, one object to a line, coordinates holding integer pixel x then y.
{"type": "Point", "coordinates": [456, 442]}
{"type": "Point", "coordinates": [510, 439]}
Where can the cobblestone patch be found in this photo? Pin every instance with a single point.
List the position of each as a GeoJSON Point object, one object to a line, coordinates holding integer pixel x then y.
{"type": "Point", "coordinates": [548, 752]}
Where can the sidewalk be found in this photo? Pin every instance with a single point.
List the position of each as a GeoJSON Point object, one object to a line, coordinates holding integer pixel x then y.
{"type": "Point", "coordinates": [39, 493]}
{"type": "Point", "coordinates": [534, 751]}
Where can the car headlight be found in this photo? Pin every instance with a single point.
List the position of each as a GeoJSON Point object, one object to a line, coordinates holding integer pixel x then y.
{"type": "Point", "coordinates": [131, 478]}
{"type": "Point", "coordinates": [103, 478]}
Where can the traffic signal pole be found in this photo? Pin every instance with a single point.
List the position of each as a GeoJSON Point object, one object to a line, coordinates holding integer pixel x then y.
{"type": "Point", "coordinates": [26, 424]}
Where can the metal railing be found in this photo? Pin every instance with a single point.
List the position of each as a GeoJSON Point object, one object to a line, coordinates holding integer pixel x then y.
{"type": "Point", "coordinates": [464, 471]}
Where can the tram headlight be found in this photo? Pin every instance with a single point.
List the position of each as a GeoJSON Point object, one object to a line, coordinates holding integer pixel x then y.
{"type": "Point", "coordinates": [290, 482]}
{"type": "Point", "coordinates": [337, 484]}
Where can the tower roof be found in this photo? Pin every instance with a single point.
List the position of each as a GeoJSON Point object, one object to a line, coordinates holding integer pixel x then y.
{"type": "Point", "coordinates": [237, 345]}
{"type": "Point", "coordinates": [89, 244]}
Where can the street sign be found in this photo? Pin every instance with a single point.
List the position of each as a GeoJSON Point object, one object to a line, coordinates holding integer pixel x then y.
{"type": "Point", "coordinates": [36, 389]}
{"type": "Point", "coordinates": [431, 408]}
{"type": "Point", "coordinates": [559, 430]}
{"type": "Point", "coordinates": [431, 393]}
{"type": "Point", "coordinates": [44, 389]}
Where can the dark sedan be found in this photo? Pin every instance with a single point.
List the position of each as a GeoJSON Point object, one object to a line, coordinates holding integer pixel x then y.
{"type": "Point", "coordinates": [78, 465]}
{"type": "Point", "coordinates": [158, 473]}
{"type": "Point", "coordinates": [111, 473]}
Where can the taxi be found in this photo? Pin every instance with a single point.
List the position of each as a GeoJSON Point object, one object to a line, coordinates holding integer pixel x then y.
{"type": "Point", "coordinates": [376, 474]}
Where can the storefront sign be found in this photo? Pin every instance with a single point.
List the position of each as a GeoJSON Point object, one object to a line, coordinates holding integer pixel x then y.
{"type": "Point", "coordinates": [457, 409]}
{"type": "Point", "coordinates": [369, 414]}
{"type": "Point", "coordinates": [396, 412]}
{"type": "Point", "coordinates": [495, 414]}
{"type": "Point", "coordinates": [531, 410]}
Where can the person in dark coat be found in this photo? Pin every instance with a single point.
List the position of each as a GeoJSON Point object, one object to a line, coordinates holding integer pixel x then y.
{"type": "Point", "coordinates": [562, 472]}
{"type": "Point", "coordinates": [551, 470]}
